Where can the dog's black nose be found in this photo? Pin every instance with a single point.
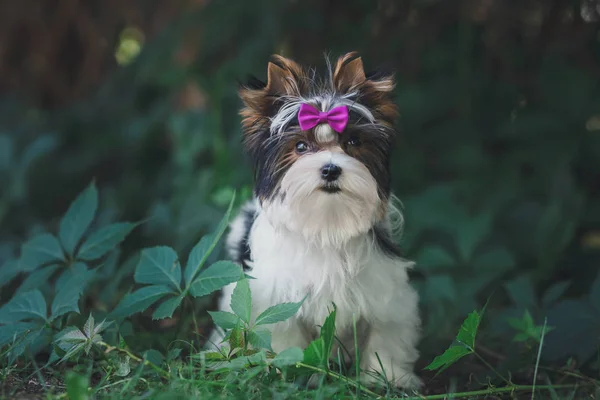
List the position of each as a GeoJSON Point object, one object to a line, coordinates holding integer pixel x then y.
{"type": "Point", "coordinates": [330, 172]}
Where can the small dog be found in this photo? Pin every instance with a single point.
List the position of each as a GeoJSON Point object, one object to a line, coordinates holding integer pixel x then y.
{"type": "Point", "coordinates": [322, 217]}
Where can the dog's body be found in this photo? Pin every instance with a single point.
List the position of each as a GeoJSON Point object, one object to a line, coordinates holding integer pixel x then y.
{"type": "Point", "coordinates": [321, 223]}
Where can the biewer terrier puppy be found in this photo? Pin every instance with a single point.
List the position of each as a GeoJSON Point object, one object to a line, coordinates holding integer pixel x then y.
{"type": "Point", "coordinates": [321, 221]}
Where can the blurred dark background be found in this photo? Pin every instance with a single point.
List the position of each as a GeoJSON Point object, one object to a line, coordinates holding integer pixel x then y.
{"type": "Point", "coordinates": [497, 163]}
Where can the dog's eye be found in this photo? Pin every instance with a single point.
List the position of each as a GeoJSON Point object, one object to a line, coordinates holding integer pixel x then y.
{"type": "Point", "coordinates": [301, 147]}
{"type": "Point", "coordinates": [354, 141]}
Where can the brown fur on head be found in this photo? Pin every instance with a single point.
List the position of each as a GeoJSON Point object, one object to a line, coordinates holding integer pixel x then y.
{"type": "Point", "coordinates": [269, 115]}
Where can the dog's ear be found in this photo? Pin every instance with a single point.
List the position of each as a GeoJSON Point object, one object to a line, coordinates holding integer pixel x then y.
{"type": "Point", "coordinates": [374, 90]}
{"type": "Point", "coordinates": [284, 78]}
{"type": "Point", "coordinates": [349, 73]}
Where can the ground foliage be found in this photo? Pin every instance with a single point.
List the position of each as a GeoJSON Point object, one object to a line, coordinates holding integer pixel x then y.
{"type": "Point", "coordinates": [113, 199]}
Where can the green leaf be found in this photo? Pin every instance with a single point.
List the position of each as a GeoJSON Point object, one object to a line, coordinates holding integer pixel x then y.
{"type": "Point", "coordinates": [78, 218]}
{"type": "Point", "coordinates": [472, 232]}
{"type": "Point", "coordinates": [25, 306]}
{"type": "Point", "coordinates": [37, 278]}
{"type": "Point", "coordinates": [166, 309]}
{"type": "Point", "coordinates": [288, 357]}
{"type": "Point", "coordinates": [236, 338]}
{"type": "Point", "coordinates": [595, 293]}
{"type": "Point", "coordinates": [521, 292]}
{"type": "Point", "coordinates": [140, 300]}
{"type": "Point", "coordinates": [449, 357]}
{"type": "Point", "coordinates": [104, 240]}
{"type": "Point", "coordinates": [78, 269]}
{"type": "Point", "coordinates": [241, 300]}
{"type": "Point", "coordinates": [159, 266]}
{"type": "Point", "coordinates": [215, 277]}
{"type": "Point", "coordinates": [315, 354]}
{"type": "Point", "coordinates": [69, 291]}
{"type": "Point", "coordinates": [224, 319]}
{"type": "Point", "coordinates": [554, 292]}
{"type": "Point", "coordinates": [88, 327]}
{"type": "Point", "coordinates": [77, 386]}
{"type": "Point", "coordinates": [8, 271]}
{"type": "Point", "coordinates": [204, 248]}
{"type": "Point", "coordinates": [12, 331]}
{"type": "Point", "coordinates": [154, 356]}
{"type": "Point", "coordinates": [468, 330]}
{"type": "Point", "coordinates": [278, 313]}
{"type": "Point", "coordinates": [328, 331]}
{"type": "Point", "coordinates": [39, 250]}
{"type": "Point", "coordinates": [497, 259]}
{"type": "Point", "coordinates": [123, 366]}
{"type": "Point", "coordinates": [260, 338]}
{"type": "Point", "coordinates": [434, 257]}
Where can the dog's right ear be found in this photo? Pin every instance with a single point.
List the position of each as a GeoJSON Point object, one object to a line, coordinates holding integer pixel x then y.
{"type": "Point", "coordinates": [284, 78]}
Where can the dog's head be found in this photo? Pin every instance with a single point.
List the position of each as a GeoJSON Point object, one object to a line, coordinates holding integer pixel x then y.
{"type": "Point", "coordinates": [321, 146]}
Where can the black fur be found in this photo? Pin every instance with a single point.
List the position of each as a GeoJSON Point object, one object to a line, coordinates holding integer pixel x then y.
{"type": "Point", "coordinates": [244, 254]}
{"type": "Point", "coordinates": [385, 242]}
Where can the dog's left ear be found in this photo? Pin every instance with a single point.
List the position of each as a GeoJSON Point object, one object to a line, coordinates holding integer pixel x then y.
{"type": "Point", "coordinates": [374, 90]}
{"type": "Point", "coordinates": [349, 75]}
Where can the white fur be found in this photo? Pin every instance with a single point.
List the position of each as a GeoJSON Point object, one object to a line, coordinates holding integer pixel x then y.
{"type": "Point", "coordinates": [321, 245]}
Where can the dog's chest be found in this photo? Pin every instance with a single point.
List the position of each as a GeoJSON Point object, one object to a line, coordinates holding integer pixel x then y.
{"type": "Point", "coordinates": [288, 268]}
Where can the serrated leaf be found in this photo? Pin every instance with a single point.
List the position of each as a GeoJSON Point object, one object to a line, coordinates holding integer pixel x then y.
{"type": "Point", "coordinates": [595, 293]}
{"type": "Point", "coordinates": [37, 279]}
{"type": "Point", "coordinates": [78, 218]}
{"type": "Point", "coordinates": [167, 308]}
{"type": "Point", "coordinates": [101, 326]}
{"type": "Point", "coordinates": [449, 357]}
{"type": "Point", "coordinates": [104, 240]}
{"type": "Point", "coordinates": [40, 249]}
{"type": "Point", "coordinates": [69, 337]}
{"type": "Point", "coordinates": [215, 277]}
{"type": "Point", "coordinates": [73, 351]}
{"type": "Point", "coordinates": [468, 330]}
{"type": "Point", "coordinates": [224, 319]}
{"type": "Point", "coordinates": [77, 269]}
{"type": "Point", "coordinates": [140, 300]}
{"type": "Point", "coordinates": [25, 306]}
{"type": "Point", "coordinates": [243, 362]}
{"type": "Point", "coordinates": [159, 266]}
{"type": "Point", "coordinates": [554, 292]}
{"type": "Point", "coordinates": [278, 313]}
{"type": "Point", "coordinates": [69, 291]}
{"type": "Point", "coordinates": [328, 331]}
{"type": "Point", "coordinates": [29, 340]}
{"type": "Point", "coordinates": [8, 271]}
{"type": "Point", "coordinates": [260, 338]}
{"type": "Point", "coordinates": [288, 357]}
{"type": "Point", "coordinates": [88, 327]}
{"type": "Point", "coordinates": [315, 354]}
{"type": "Point", "coordinates": [204, 248]}
{"type": "Point", "coordinates": [11, 332]}
{"type": "Point", "coordinates": [241, 300]}
{"type": "Point", "coordinates": [236, 338]}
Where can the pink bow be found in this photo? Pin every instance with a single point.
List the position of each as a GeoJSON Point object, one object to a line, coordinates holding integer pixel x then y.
{"type": "Point", "coordinates": [309, 117]}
